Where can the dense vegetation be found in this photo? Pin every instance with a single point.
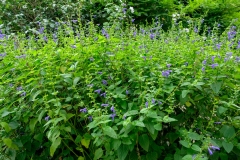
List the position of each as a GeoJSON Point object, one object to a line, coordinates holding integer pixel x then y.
{"type": "Point", "coordinates": [24, 15]}
{"type": "Point", "coordinates": [107, 86]}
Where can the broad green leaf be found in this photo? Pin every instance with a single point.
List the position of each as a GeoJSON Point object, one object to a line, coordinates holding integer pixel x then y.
{"type": "Point", "coordinates": [85, 142]}
{"type": "Point", "coordinates": [5, 113]}
{"type": "Point", "coordinates": [227, 131]}
{"type": "Point", "coordinates": [130, 113]}
{"type": "Point", "coordinates": [138, 123]}
{"type": "Point", "coordinates": [150, 127]}
{"type": "Point", "coordinates": [221, 110]}
{"type": "Point", "coordinates": [194, 136]}
{"type": "Point", "coordinates": [107, 130]}
{"type": "Point", "coordinates": [122, 152]}
{"type": "Point", "coordinates": [78, 139]}
{"type": "Point", "coordinates": [158, 126]}
{"type": "Point", "coordinates": [54, 146]}
{"type": "Point", "coordinates": [167, 119]}
{"type": "Point", "coordinates": [184, 93]}
{"type": "Point", "coordinates": [185, 84]}
{"type": "Point", "coordinates": [75, 81]}
{"type": "Point", "coordinates": [144, 141]}
{"type": "Point", "coordinates": [6, 126]}
{"type": "Point", "coordinates": [228, 146]}
{"type": "Point", "coordinates": [187, 157]}
{"type": "Point", "coordinates": [98, 153]}
{"type": "Point", "coordinates": [116, 143]}
{"type": "Point", "coordinates": [152, 156]}
{"type": "Point", "coordinates": [8, 142]}
{"type": "Point", "coordinates": [185, 143]}
{"type": "Point", "coordinates": [13, 124]}
{"type": "Point", "coordinates": [80, 158]}
{"type": "Point", "coordinates": [216, 87]}
{"type": "Point", "coordinates": [196, 148]}
{"type": "Point", "coordinates": [32, 124]}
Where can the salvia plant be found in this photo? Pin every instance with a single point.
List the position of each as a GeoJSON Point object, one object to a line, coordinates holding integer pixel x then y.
{"type": "Point", "coordinates": [110, 93]}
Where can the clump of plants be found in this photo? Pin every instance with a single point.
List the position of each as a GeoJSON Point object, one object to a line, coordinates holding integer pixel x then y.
{"type": "Point", "coordinates": [138, 93]}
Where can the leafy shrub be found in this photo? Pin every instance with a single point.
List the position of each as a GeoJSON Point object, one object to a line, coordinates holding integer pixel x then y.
{"type": "Point", "coordinates": [120, 94]}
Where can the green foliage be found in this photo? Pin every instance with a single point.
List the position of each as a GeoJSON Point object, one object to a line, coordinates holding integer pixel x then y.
{"type": "Point", "coordinates": [120, 93]}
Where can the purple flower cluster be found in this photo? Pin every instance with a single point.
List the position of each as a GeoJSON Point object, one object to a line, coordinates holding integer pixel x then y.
{"type": "Point", "coordinates": [214, 65]}
{"type": "Point", "coordinates": [3, 55]}
{"type": "Point", "coordinates": [83, 110]}
{"type": "Point", "coordinates": [113, 113]}
{"type": "Point", "coordinates": [232, 33]}
{"type": "Point", "coordinates": [21, 56]}
{"type": "Point", "coordinates": [166, 73]}
{"type": "Point", "coordinates": [212, 149]}
{"type": "Point", "coordinates": [1, 35]}
{"type": "Point", "coordinates": [104, 32]}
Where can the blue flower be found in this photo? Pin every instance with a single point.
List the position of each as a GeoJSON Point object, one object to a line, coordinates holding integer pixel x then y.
{"type": "Point", "coordinates": [168, 65]}
{"type": "Point", "coordinates": [214, 65]}
{"type": "Point", "coordinates": [98, 91]}
{"type": "Point", "coordinates": [203, 69]}
{"type": "Point", "coordinates": [153, 101]}
{"type": "Point", "coordinates": [104, 105]}
{"type": "Point", "coordinates": [47, 118]}
{"type": "Point", "coordinates": [146, 104]}
{"type": "Point", "coordinates": [218, 45]}
{"type": "Point", "coordinates": [73, 46]}
{"type": "Point", "coordinates": [213, 57]}
{"type": "Point", "coordinates": [127, 92]}
{"type": "Point", "coordinates": [210, 151]}
{"type": "Point", "coordinates": [204, 62]}
{"type": "Point", "coordinates": [103, 94]}
{"type": "Point", "coordinates": [3, 54]}
{"type": "Point", "coordinates": [41, 30]}
{"type": "Point", "coordinates": [166, 73]}
{"type": "Point", "coordinates": [113, 116]}
{"type": "Point", "coordinates": [195, 30]}
{"type": "Point", "coordinates": [90, 118]}
{"type": "Point", "coordinates": [152, 36]}
{"type": "Point", "coordinates": [104, 82]}
{"type": "Point", "coordinates": [84, 110]}
{"type": "Point", "coordinates": [112, 109]}
{"type": "Point", "coordinates": [19, 88]}
{"type": "Point", "coordinates": [23, 94]}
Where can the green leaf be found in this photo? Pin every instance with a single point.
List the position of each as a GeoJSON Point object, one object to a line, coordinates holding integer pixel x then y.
{"type": "Point", "coordinates": [107, 130]}
{"type": "Point", "coordinates": [98, 153]}
{"type": "Point", "coordinates": [78, 139]}
{"type": "Point", "coordinates": [144, 141]}
{"type": "Point", "coordinates": [150, 127]}
{"type": "Point", "coordinates": [227, 146]}
{"type": "Point", "coordinates": [32, 124]}
{"type": "Point", "coordinates": [187, 157]}
{"type": "Point", "coordinates": [75, 81]}
{"type": "Point", "coordinates": [54, 146]}
{"type": "Point", "coordinates": [158, 126]}
{"type": "Point", "coordinates": [194, 136]}
{"type": "Point", "coordinates": [35, 95]}
{"type": "Point", "coordinates": [138, 123]}
{"type": "Point", "coordinates": [167, 119]}
{"type": "Point", "coordinates": [185, 143]}
{"type": "Point", "coordinates": [116, 143]}
{"type": "Point", "coordinates": [227, 131]}
{"type": "Point", "coordinates": [131, 113]}
{"type": "Point", "coordinates": [122, 152]}
{"type": "Point", "coordinates": [8, 142]}
{"type": "Point", "coordinates": [152, 156]}
{"type": "Point", "coordinates": [221, 110]}
{"type": "Point", "coordinates": [6, 126]}
{"type": "Point", "coordinates": [41, 116]}
{"type": "Point", "coordinates": [85, 142]}
{"type": "Point", "coordinates": [5, 113]}
{"type": "Point", "coordinates": [80, 158]}
{"type": "Point", "coordinates": [184, 93]}
{"type": "Point", "coordinates": [216, 87]}
{"type": "Point", "coordinates": [196, 148]}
